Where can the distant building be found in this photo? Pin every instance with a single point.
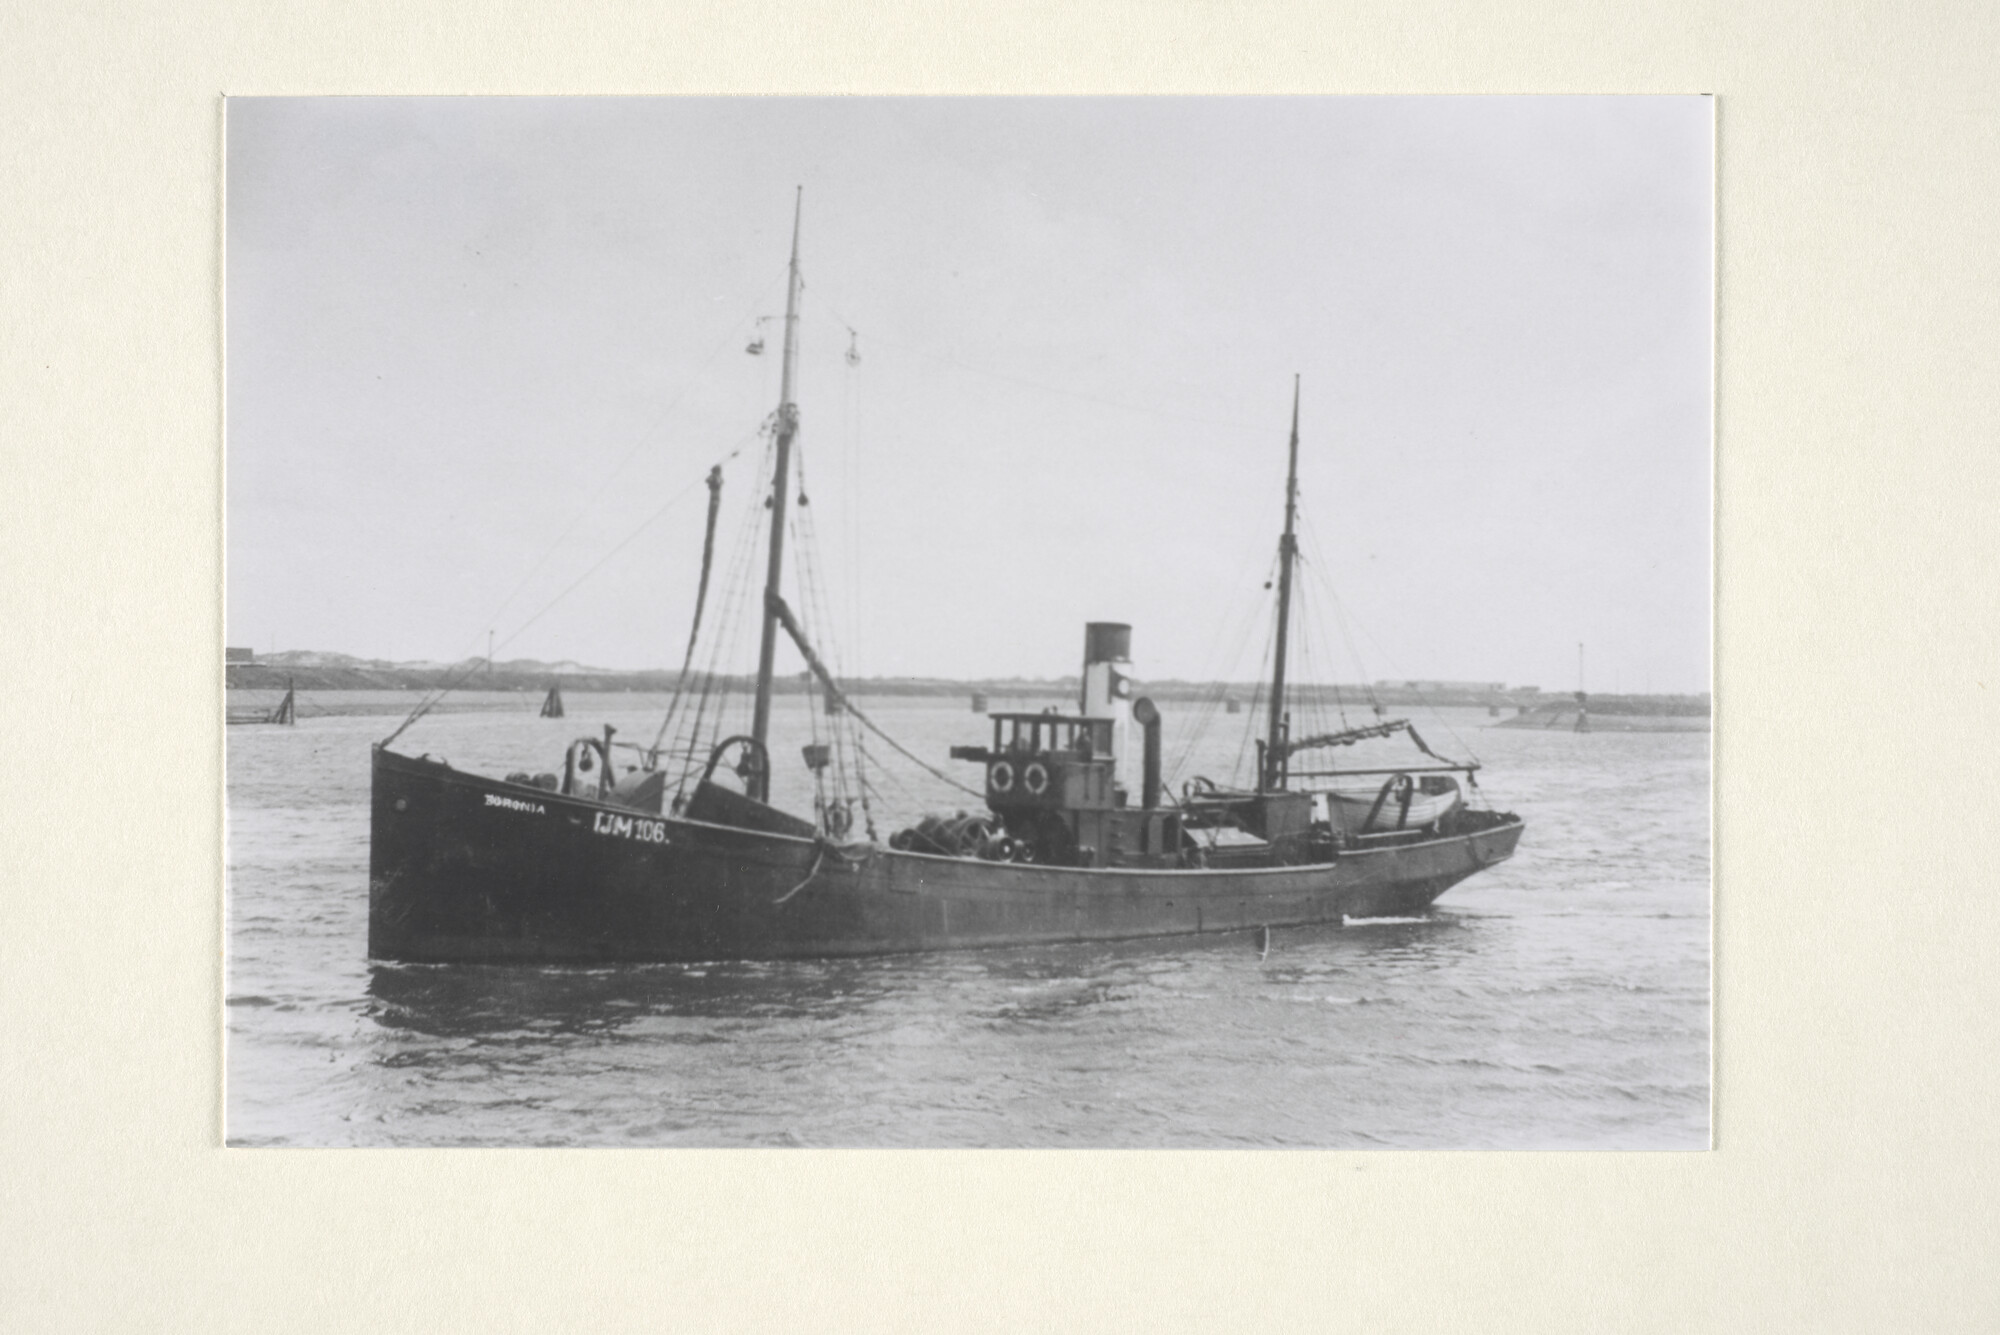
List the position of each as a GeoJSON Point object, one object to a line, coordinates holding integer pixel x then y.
{"type": "Point", "coordinates": [238, 656]}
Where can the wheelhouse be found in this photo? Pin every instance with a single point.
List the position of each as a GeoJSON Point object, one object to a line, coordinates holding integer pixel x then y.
{"type": "Point", "coordinates": [1040, 734]}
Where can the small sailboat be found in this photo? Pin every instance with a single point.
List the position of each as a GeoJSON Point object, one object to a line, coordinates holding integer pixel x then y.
{"type": "Point", "coordinates": [1079, 840]}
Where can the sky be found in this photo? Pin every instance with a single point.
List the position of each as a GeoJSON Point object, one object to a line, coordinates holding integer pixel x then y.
{"type": "Point", "coordinates": [482, 351]}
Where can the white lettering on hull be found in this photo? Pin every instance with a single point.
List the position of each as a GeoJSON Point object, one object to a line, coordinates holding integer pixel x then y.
{"type": "Point", "coordinates": [516, 804]}
{"type": "Point", "coordinates": [630, 827]}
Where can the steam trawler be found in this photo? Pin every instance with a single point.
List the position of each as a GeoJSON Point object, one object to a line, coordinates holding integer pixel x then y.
{"type": "Point", "coordinates": [677, 853]}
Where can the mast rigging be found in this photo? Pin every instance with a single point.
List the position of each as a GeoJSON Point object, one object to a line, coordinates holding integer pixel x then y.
{"type": "Point", "coordinates": [788, 425]}
{"type": "Point", "coordinates": [1288, 548]}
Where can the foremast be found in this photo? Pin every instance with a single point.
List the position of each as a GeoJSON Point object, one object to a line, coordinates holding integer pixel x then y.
{"type": "Point", "coordinates": [758, 780]}
{"type": "Point", "coordinates": [1272, 773]}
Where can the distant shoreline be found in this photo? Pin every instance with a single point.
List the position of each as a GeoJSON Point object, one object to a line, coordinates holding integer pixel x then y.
{"type": "Point", "coordinates": [1517, 708]}
{"type": "Point", "coordinates": [1564, 720]}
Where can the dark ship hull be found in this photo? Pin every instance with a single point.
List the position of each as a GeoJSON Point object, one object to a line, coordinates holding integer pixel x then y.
{"type": "Point", "coordinates": [470, 868]}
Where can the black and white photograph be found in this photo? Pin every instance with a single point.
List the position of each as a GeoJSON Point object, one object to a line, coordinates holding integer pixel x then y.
{"type": "Point", "coordinates": [968, 622]}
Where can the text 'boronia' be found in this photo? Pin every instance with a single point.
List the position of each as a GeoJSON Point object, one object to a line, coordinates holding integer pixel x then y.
{"type": "Point", "coordinates": [515, 804]}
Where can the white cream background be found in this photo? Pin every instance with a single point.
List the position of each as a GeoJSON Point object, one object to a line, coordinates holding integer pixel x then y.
{"type": "Point", "coordinates": [1853, 1183]}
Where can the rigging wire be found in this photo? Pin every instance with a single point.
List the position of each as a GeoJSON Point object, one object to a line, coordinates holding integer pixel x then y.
{"type": "Point", "coordinates": [1315, 619]}
{"type": "Point", "coordinates": [741, 554]}
{"type": "Point", "coordinates": [850, 411]}
{"type": "Point", "coordinates": [850, 439]}
{"type": "Point", "coordinates": [687, 741]}
{"type": "Point", "coordinates": [1302, 714]}
{"type": "Point", "coordinates": [910, 756]}
{"type": "Point", "coordinates": [815, 609]}
{"type": "Point", "coordinates": [1256, 698]}
{"type": "Point", "coordinates": [1323, 574]}
{"type": "Point", "coordinates": [715, 684]}
{"type": "Point", "coordinates": [1232, 641]}
{"type": "Point", "coordinates": [700, 602]}
{"type": "Point", "coordinates": [805, 556]}
{"type": "Point", "coordinates": [914, 799]}
{"type": "Point", "coordinates": [645, 438]}
{"type": "Point", "coordinates": [1320, 679]}
{"type": "Point", "coordinates": [430, 702]}
{"type": "Point", "coordinates": [1344, 622]}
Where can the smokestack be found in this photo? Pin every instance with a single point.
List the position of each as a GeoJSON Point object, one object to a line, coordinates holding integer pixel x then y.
{"type": "Point", "coordinates": [1107, 688]}
{"type": "Point", "coordinates": [1148, 717]}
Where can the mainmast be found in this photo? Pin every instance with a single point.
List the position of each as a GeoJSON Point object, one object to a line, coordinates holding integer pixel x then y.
{"type": "Point", "coordinates": [759, 782]}
{"type": "Point", "coordinates": [1288, 548]}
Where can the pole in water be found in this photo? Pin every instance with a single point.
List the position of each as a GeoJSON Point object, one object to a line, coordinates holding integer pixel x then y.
{"type": "Point", "coordinates": [1264, 942]}
{"type": "Point", "coordinates": [1582, 701]}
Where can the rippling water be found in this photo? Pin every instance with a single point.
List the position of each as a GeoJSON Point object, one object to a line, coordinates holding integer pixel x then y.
{"type": "Point", "coordinates": [1559, 1000]}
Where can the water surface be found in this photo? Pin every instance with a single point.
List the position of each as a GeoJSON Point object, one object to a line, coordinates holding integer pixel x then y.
{"type": "Point", "coordinates": [1559, 1000]}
